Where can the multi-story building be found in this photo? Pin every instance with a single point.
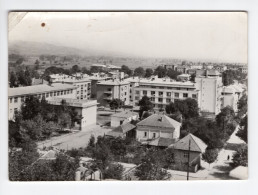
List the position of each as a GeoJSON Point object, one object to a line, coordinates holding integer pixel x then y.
{"type": "Point", "coordinates": [183, 69]}
{"type": "Point", "coordinates": [163, 91]}
{"type": "Point", "coordinates": [82, 82]}
{"type": "Point", "coordinates": [134, 82]}
{"type": "Point", "coordinates": [113, 89]}
{"type": "Point", "coordinates": [210, 87]}
{"type": "Point", "coordinates": [243, 69]}
{"type": "Point", "coordinates": [16, 96]}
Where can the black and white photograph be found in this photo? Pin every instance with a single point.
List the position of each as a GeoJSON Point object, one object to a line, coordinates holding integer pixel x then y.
{"type": "Point", "coordinates": [127, 96]}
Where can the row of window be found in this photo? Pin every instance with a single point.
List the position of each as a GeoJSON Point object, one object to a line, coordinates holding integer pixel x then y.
{"type": "Point", "coordinates": [170, 88]}
{"type": "Point", "coordinates": [168, 94]}
{"type": "Point", "coordinates": [46, 95]}
{"type": "Point", "coordinates": [185, 95]}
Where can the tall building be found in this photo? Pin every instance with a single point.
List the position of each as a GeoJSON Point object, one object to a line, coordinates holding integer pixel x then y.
{"type": "Point", "coordinates": [113, 89]}
{"type": "Point", "coordinates": [16, 96]}
{"type": "Point", "coordinates": [162, 91]}
{"type": "Point", "coordinates": [210, 86]}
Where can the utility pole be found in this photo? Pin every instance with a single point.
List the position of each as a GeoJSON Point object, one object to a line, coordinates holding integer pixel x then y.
{"type": "Point", "coordinates": [188, 164]}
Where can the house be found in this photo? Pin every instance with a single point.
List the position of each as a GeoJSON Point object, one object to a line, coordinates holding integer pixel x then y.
{"type": "Point", "coordinates": [157, 126]}
{"type": "Point", "coordinates": [188, 145]}
{"type": "Point", "coordinates": [124, 130]}
{"type": "Point", "coordinates": [183, 77]}
{"type": "Point", "coordinates": [123, 117]}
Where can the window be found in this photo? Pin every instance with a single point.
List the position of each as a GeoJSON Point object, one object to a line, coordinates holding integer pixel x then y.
{"type": "Point", "coordinates": [85, 85]}
{"type": "Point", "coordinates": [58, 93]}
{"type": "Point", "coordinates": [15, 100]}
{"type": "Point", "coordinates": [160, 100]}
{"type": "Point", "coordinates": [145, 134]}
{"type": "Point", "coordinates": [136, 98]}
{"type": "Point", "coordinates": [54, 93]}
{"type": "Point", "coordinates": [15, 110]}
{"type": "Point", "coordinates": [194, 96]}
{"type": "Point", "coordinates": [43, 95]}
{"type": "Point", "coordinates": [11, 100]}
{"type": "Point", "coordinates": [85, 96]}
{"type": "Point", "coordinates": [154, 135]}
{"type": "Point", "coordinates": [186, 154]}
{"type": "Point", "coordinates": [152, 92]}
{"type": "Point", "coordinates": [177, 95]}
{"type": "Point", "coordinates": [160, 93]}
{"type": "Point", "coordinates": [78, 92]}
{"type": "Point", "coordinates": [125, 93]}
{"type": "Point", "coordinates": [22, 99]}
{"type": "Point", "coordinates": [168, 100]}
{"type": "Point", "coordinates": [109, 89]}
{"type": "Point", "coordinates": [169, 94]}
{"type": "Point", "coordinates": [153, 87]}
{"type": "Point", "coordinates": [64, 92]}
{"type": "Point", "coordinates": [152, 99]}
{"type": "Point", "coordinates": [71, 91]}
{"type": "Point", "coordinates": [144, 92]}
{"type": "Point", "coordinates": [81, 86]}
{"type": "Point", "coordinates": [11, 110]}
{"type": "Point", "coordinates": [185, 95]}
{"type": "Point", "coordinates": [47, 94]}
{"type": "Point", "coordinates": [137, 92]}
{"type": "Point", "coordinates": [61, 92]}
{"type": "Point", "coordinates": [51, 94]}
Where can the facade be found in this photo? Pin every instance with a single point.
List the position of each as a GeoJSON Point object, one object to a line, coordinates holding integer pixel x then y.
{"type": "Point", "coordinates": [113, 89]}
{"type": "Point", "coordinates": [82, 82]}
{"type": "Point", "coordinates": [210, 88]}
{"type": "Point", "coordinates": [16, 96]}
{"type": "Point", "coordinates": [231, 95]}
{"type": "Point", "coordinates": [157, 126]}
{"type": "Point", "coordinates": [86, 110]}
{"type": "Point", "coordinates": [134, 82]}
{"type": "Point", "coordinates": [123, 117]}
{"type": "Point", "coordinates": [163, 91]}
{"type": "Point", "coordinates": [182, 152]}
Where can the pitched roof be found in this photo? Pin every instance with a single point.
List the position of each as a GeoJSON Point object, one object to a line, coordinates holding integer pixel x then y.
{"type": "Point", "coordinates": [35, 89]}
{"type": "Point", "coordinates": [159, 120]}
{"type": "Point", "coordinates": [120, 130]}
{"type": "Point", "coordinates": [196, 145]}
{"type": "Point", "coordinates": [124, 114]}
{"type": "Point", "coordinates": [161, 141]}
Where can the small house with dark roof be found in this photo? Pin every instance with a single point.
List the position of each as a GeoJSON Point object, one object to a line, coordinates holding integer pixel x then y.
{"type": "Point", "coordinates": [188, 145]}
{"type": "Point", "coordinates": [157, 126]}
{"type": "Point", "coordinates": [124, 130]}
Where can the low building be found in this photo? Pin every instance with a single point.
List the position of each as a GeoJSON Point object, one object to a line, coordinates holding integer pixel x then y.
{"type": "Point", "coordinates": [85, 109]}
{"type": "Point", "coordinates": [231, 95]}
{"type": "Point", "coordinates": [188, 148]}
{"type": "Point", "coordinates": [124, 130]}
{"type": "Point", "coordinates": [123, 117]}
{"type": "Point", "coordinates": [157, 126]}
{"type": "Point", "coordinates": [16, 96]}
{"type": "Point", "coordinates": [38, 81]}
{"type": "Point", "coordinates": [183, 77]}
{"type": "Point", "coordinates": [113, 89]}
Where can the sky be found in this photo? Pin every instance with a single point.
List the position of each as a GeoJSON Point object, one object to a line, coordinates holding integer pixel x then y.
{"type": "Point", "coordinates": [216, 36]}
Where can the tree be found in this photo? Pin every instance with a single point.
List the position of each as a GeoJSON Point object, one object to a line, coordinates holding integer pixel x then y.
{"type": "Point", "coordinates": [240, 158]}
{"type": "Point", "coordinates": [115, 104]}
{"type": "Point", "coordinates": [160, 71]}
{"type": "Point", "coordinates": [151, 168]}
{"type": "Point", "coordinates": [173, 73]}
{"type": "Point", "coordinates": [229, 76]}
{"type": "Point", "coordinates": [210, 155]}
{"type": "Point", "coordinates": [36, 62]}
{"type": "Point", "coordinates": [148, 72]}
{"type": "Point", "coordinates": [145, 105]}
{"type": "Point", "coordinates": [75, 69]}
{"type": "Point", "coordinates": [64, 120]}
{"type": "Point", "coordinates": [30, 108]}
{"type": "Point", "coordinates": [242, 132]}
{"type": "Point", "coordinates": [140, 72]}
{"type": "Point", "coordinates": [192, 77]}
{"type": "Point", "coordinates": [13, 80]}
{"type": "Point", "coordinates": [126, 70]}
{"type": "Point", "coordinates": [226, 115]}
{"type": "Point", "coordinates": [114, 171]}
{"type": "Point", "coordinates": [86, 71]}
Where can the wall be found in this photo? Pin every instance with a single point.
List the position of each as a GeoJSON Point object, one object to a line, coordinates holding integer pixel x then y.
{"type": "Point", "coordinates": [89, 117]}
{"type": "Point", "coordinates": [160, 132]}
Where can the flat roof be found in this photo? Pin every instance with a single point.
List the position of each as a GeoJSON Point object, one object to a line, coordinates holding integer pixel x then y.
{"type": "Point", "coordinates": [73, 102]}
{"type": "Point", "coordinates": [166, 82]}
{"type": "Point", "coordinates": [111, 82]}
{"type": "Point", "coordinates": [36, 89]}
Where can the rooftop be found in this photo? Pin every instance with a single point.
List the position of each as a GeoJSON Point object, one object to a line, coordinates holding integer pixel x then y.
{"type": "Point", "coordinates": [159, 120]}
{"type": "Point", "coordinates": [165, 81]}
{"type": "Point", "coordinates": [124, 114]}
{"type": "Point", "coordinates": [36, 89]}
{"type": "Point", "coordinates": [196, 144]}
{"type": "Point", "coordinates": [73, 102]}
{"type": "Point", "coordinates": [161, 141]}
{"type": "Point", "coordinates": [113, 82]}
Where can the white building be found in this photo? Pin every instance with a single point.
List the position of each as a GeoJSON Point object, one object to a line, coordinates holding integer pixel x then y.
{"type": "Point", "coordinates": [123, 117]}
{"type": "Point", "coordinates": [162, 91]}
{"type": "Point", "coordinates": [16, 96]}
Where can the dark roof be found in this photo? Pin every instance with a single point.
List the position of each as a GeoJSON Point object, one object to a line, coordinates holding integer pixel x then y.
{"type": "Point", "coordinates": [120, 130]}
{"type": "Point", "coordinates": [196, 145]}
{"type": "Point", "coordinates": [159, 120]}
{"type": "Point", "coordinates": [161, 141]}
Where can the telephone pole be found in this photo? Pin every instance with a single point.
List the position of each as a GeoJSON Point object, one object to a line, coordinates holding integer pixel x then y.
{"type": "Point", "coordinates": [188, 164]}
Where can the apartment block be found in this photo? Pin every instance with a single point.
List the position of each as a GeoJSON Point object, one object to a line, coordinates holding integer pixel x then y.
{"type": "Point", "coordinates": [16, 96]}
{"type": "Point", "coordinates": [113, 89]}
{"type": "Point", "coordinates": [163, 91]}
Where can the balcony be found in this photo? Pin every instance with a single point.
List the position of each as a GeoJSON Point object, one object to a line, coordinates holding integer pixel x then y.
{"type": "Point", "coordinates": [108, 98]}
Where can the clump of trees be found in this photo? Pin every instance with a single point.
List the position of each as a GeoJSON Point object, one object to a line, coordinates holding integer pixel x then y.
{"type": "Point", "coordinates": [145, 105]}
{"type": "Point", "coordinates": [116, 104]}
{"type": "Point", "coordinates": [188, 108]}
{"type": "Point", "coordinates": [126, 70]}
{"type": "Point", "coordinates": [240, 158]}
{"type": "Point", "coordinates": [229, 76]}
